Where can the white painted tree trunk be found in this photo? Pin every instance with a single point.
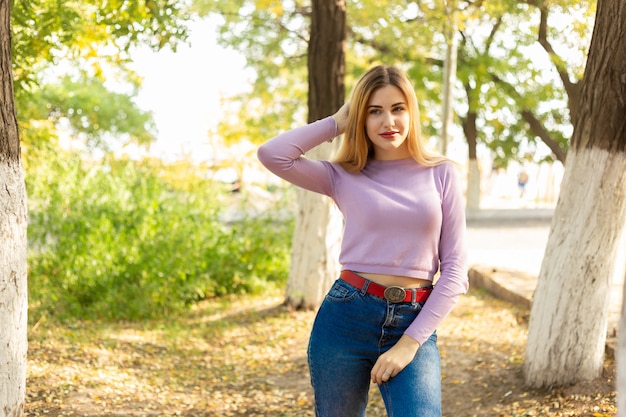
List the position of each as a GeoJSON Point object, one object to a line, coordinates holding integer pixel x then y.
{"type": "Point", "coordinates": [316, 245]}
{"type": "Point", "coordinates": [621, 359]}
{"type": "Point", "coordinates": [473, 185]}
{"type": "Point", "coordinates": [568, 320]}
{"type": "Point", "coordinates": [13, 289]}
{"type": "Point", "coordinates": [315, 250]}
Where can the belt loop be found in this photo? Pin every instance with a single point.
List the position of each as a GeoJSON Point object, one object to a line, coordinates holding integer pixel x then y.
{"type": "Point", "coordinates": [366, 284]}
{"type": "Point", "coordinates": [413, 295]}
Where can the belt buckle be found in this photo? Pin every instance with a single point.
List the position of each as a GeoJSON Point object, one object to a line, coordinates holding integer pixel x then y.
{"type": "Point", "coordinates": [394, 294]}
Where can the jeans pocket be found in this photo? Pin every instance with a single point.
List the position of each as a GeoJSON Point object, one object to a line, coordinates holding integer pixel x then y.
{"type": "Point", "coordinates": [341, 291]}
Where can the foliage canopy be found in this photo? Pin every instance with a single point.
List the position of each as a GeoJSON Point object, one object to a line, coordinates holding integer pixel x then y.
{"type": "Point", "coordinates": [63, 52]}
{"type": "Point", "coordinates": [507, 74]}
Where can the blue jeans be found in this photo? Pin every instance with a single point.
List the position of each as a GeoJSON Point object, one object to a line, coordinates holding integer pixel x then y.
{"type": "Point", "coordinates": [351, 330]}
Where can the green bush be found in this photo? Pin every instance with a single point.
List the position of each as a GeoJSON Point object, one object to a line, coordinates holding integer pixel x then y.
{"type": "Point", "coordinates": [121, 239]}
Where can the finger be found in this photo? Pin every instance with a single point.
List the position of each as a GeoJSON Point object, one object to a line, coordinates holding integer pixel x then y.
{"type": "Point", "coordinates": [382, 376]}
{"type": "Point", "coordinates": [385, 377]}
{"type": "Point", "coordinates": [378, 373]}
{"type": "Point", "coordinates": [374, 373]}
{"type": "Point", "coordinates": [374, 378]}
{"type": "Point", "coordinates": [382, 371]}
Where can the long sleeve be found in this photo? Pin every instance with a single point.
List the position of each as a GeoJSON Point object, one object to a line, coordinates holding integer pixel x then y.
{"type": "Point", "coordinates": [284, 156]}
{"type": "Point", "coordinates": [453, 280]}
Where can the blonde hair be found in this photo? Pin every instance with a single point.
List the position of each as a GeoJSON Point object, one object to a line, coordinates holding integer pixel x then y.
{"type": "Point", "coordinates": [356, 148]}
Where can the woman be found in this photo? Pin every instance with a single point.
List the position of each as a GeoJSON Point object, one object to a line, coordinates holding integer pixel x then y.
{"type": "Point", "coordinates": [404, 222]}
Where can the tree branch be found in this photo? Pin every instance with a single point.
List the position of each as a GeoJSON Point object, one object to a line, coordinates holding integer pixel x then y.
{"type": "Point", "coordinates": [542, 38]}
{"type": "Point", "coordinates": [384, 48]}
{"type": "Point", "coordinates": [536, 125]}
{"type": "Point", "coordinates": [571, 88]}
{"type": "Point", "coordinates": [492, 35]}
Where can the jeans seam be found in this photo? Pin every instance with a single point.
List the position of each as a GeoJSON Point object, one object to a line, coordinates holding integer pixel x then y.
{"type": "Point", "coordinates": [389, 407]}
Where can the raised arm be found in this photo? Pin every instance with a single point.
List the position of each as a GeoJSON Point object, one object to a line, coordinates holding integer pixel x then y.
{"type": "Point", "coordinates": [284, 155]}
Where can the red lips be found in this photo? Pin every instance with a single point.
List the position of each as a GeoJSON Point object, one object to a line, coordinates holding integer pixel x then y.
{"type": "Point", "coordinates": [388, 135]}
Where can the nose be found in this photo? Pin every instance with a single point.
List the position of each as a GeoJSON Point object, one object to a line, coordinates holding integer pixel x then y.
{"type": "Point", "coordinates": [388, 120]}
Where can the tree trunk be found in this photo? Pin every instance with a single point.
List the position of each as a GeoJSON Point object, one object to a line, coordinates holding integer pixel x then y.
{"type": "Point", "coordinates": [449, 78]}
{"type": "Point", "coordinates": [13, 223]}
{"type": "Point", "coordinates": [621, 359]}
{"type": "Point", "coordinates": [315, 249]}
{"type": "Point", "coordinates": [318, 224]}
{"type": "Point", "coordinates": [473, 172]}
{"type": "Point", "coordinates": [473, 185]}
{"type": "Point", "coordinates": [567, 330]}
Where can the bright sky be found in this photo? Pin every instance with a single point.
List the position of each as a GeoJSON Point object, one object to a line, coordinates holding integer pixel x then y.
{"type": "Point", "coordinates": [183, 90]}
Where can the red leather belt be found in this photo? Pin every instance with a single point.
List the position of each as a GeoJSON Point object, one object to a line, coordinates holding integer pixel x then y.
{"type": "Point", "coordinates": [391, 294]}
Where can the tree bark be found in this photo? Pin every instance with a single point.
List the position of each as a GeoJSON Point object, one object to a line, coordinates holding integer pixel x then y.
{"type": "Point", "coordinates": [318, 224]}
{"type": "Point", "coordinates": [13, 223]}
{"type": "Point", "coordinates": [473, 172]}
{"type": "Point", "coordinates": [315, 249]}
{"type": "Point", "coordinates": [568, 321]}
{"type": "Point", "coordinates": [621, 360]}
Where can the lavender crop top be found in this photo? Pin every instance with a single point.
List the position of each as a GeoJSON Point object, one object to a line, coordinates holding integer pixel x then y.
{"type": "Point", "coordinates": [401, 218]}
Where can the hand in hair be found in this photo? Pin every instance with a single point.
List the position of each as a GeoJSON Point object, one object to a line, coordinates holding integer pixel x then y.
{"type": "Point", "coordinates": [341, 117]}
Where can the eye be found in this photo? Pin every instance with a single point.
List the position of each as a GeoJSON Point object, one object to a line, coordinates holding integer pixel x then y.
{"type": "Point", "coordinates": [374, 110]}
{"type": "Point", "coordinates": [399, 109]}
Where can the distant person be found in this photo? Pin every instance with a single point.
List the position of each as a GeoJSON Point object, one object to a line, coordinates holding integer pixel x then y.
{"type": "Point", "coordinates": [522, 180]}
{"type": "Point", "coordinates": [404, 222]}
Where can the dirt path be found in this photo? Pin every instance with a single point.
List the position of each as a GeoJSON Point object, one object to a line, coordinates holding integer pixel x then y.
{"type": "Point", "coordinates": [248, 359]}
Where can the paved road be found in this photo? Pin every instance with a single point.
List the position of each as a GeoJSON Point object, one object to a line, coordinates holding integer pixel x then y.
{"type": "Point", "coordinates": [516, 240]}
{"type": "Point", "coordinates": [509, 246]}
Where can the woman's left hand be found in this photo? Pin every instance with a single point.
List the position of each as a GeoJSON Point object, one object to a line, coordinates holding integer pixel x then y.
{"type": "Point", "coordinates": [341, 117]}
{"type": "Point", "coordinates": [392, 362]}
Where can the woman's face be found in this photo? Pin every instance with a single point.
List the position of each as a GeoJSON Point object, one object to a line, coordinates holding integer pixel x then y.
{"type": "Point", "coordinates": [387, 123]}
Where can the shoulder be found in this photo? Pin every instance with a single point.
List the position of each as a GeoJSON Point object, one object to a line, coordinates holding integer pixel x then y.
{"type": "Point", "coordinates": [447, 176]}
{"type": "Point", "coordinates": [337, 171]}
{"type": "Point", "coordinates": [448, 167]}
{"type": "Point", "coordinates": [335, 167]}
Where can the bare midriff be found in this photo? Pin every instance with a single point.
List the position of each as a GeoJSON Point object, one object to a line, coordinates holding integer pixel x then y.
{"type": "Point", "coordinates": [395, 280]}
